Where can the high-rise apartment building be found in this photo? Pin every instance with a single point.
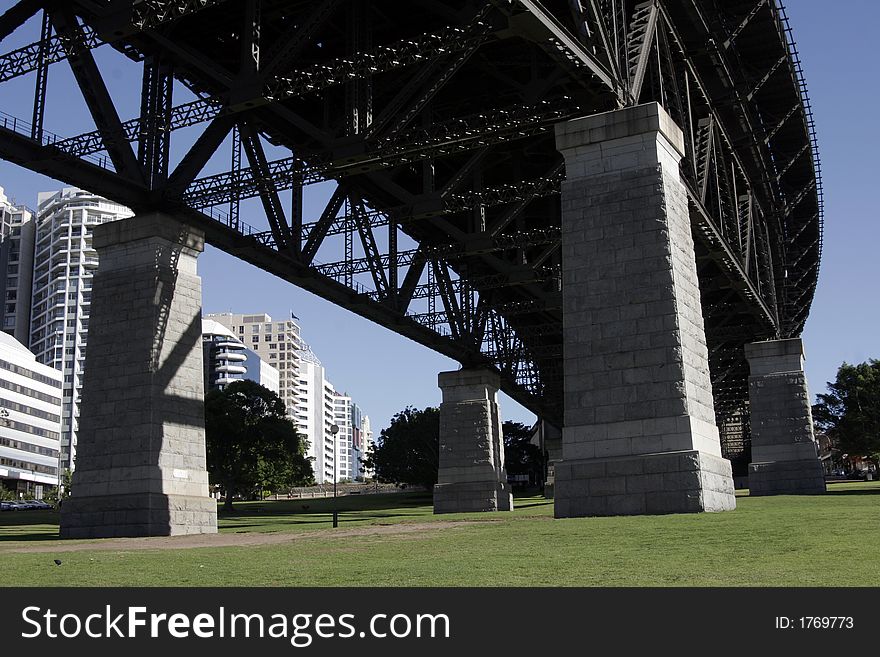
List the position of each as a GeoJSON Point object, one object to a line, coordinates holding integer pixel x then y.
{"type": "Point", "coordinates": [367, 434]}
{"type": "Point", "coordinates": [276, 342]}
{"type": "Point", "coordinates": [351, 446]}
{"type": "Point", "coordinates": [314, 413]}
{"type": "Point", "coordinates": [17, 231]}
{"type": "Point", "coordinates": [64, 261]}
{"type": "Point", "coordinates": [226, 360]}
{"type": "Point", "coordinates": [30, 420]}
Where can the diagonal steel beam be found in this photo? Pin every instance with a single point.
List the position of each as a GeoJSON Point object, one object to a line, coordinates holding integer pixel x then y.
{"type": "Point", "coordinates": [200, 152]}
{"type": "Point", "coordinates": [319, 231]}
{"type": "Point", "coordinates": [97, 98]}
{"type": "Point", "coordinates": [558, 39]}
{"type": "Point", "coordinates": [641, 38]}
{"type": "Point", "coordinates": [368, 242]}
{"type": "Point", "coordinates": [253, 148]}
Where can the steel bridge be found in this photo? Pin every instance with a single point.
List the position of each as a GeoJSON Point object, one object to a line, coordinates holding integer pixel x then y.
{"type": "Point", "coordinates": [435, 120]}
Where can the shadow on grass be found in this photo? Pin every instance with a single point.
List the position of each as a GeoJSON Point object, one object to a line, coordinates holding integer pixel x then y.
{"type": "Point", "coordinates": [29, 537]}
{"type": "Point", "coordinates": [852, 491]}
{"type": "Point", "coordinates": [528, 506]}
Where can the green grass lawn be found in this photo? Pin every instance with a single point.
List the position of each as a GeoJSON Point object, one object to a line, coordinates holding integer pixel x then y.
{"type": "Point", "coordinates": [829, 540]}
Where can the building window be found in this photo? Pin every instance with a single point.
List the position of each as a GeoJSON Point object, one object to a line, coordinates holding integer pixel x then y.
{"type": "Point", "coordinates": [273, 345]}
{"type": "Point", "coordinates": [268, 338]}
{"type": "Point", "coordinates": [255, 328]}
{"type": "Point", "coordinates": [255, 339]}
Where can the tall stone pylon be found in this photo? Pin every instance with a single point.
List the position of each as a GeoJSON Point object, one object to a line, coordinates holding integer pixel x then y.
{"type": "Point", "coordinates": [471, 474]}
{"type": "Point", "coordinates": [140, 464]}
{"type": "Point", "coordinates": [639, 432]}
{"type": "Point", "coordinates": [785, 457]}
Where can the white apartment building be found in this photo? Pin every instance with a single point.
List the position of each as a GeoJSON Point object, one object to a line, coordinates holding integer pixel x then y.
{"type": "Point", "coordinates": [64, 261]}
{"type": "Point", "coordinates": [314, 414]}
{"type": "Point", "coordinates": [17, 230]}
{"type": "Point", "coordinates": [226, 360]}
{"type": "Point", "coordinates": [342, 408]}
{"type": "Point", "coordinates": [276, 342]}
{"type": "Point", "coordinates": [30, 420]}
{"type": "Point", "coordinates": [367, 441]}
{"type": "Point", "coordinates": [351, 445]}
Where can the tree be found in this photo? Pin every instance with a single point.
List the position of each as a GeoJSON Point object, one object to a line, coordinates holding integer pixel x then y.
{"type": "Point", "coordinates": [251, 443]}
{"type": "Point", "coordinates": [849, 413]}
{"type": "Point", "coordinates": [521, 457]}
{"type": "Point", "coordinates": [407, 452]}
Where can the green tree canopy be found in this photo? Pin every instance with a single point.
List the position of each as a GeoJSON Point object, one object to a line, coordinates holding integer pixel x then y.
{"type": "Point", "coordinates": [849, 413]}
{"type": "Point", "coordinates": [521, 457]}
{"type": "Point", "coordinates": [251, 443]}
{"type": "Point", "coordinates": [407, 452]}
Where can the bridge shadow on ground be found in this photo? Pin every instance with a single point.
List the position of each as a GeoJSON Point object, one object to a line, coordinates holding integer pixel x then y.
{"type": "Point", "coordinates": [854, 491]}
{"type": "Point", "coordinates": [280, 515]}
{"type": "Point", "coordinates": [29, 526]}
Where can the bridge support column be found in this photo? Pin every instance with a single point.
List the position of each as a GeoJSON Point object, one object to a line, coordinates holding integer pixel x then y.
{"type": "Point", "coordinates": [639, 430]}
{"type": "Point", "coordinates": [784, 454]}
{"type": "Point", "coordinates": [140, 466]}
{"type": "Point", "coordinates": [471, 475]}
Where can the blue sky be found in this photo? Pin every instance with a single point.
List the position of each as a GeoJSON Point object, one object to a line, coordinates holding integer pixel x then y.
{"type": "Point", "coordinates": [385, 372]}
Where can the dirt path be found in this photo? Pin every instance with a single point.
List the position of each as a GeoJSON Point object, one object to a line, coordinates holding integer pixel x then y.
{"type": "Point", "coordinates": [247, 539]}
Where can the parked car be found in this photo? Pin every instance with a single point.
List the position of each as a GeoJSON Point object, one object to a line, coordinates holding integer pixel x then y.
{"type": "Point", "coordinates": [31, 505]}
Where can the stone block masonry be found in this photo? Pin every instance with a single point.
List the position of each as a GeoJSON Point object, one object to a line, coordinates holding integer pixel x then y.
{"type": "Point", "coordinates": [140, 467]}
{"type": "Point", "coordinates": [471, 474]}
{"type": "Point", "coordinates": [639, 430]}
{"type": "Point", "coordinates": [785, 458]}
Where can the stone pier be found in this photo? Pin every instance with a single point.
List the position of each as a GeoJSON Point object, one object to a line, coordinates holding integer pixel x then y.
{"type": "Point", "coordinates": [471, 475]}
{"type": "Point", "coordinates": [785, 457]}
{"type": "Point", "coordinates": [140, 464]}
{"type": "Point", "coordinates": [639, 431]}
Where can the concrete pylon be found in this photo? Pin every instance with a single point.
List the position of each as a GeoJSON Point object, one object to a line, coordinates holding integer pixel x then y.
{"type": "Point", "coordinates": [639, 432]}
{"type": "Point", "coordinates": [140, 464]}
{"type": "Point", "coordinates": [471, 475]}
{"type": "Point", "coordinates": [785, 457]}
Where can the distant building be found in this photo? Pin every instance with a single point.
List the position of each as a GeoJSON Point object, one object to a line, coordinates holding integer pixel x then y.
{"type": "Point", "coordinates": [312, 401]}
{"type": "Point", "coordinates": [17, 232]}
{"type": "Point", "coordinates": [226, 360]}
{"type": "Point", "coordinates": [30, 420]}
{"type": "Point", "coordinates": [64, 262]}
{"type": "Point", "coordinates": [276, 342]}
{"type": "Point", "coordinates": [367, 441]}
{"type": "Point", "coordinates": [350, 447]}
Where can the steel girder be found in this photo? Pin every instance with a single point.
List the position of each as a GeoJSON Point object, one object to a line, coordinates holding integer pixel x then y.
{"type": "Point", "coordinates": [436, 124]}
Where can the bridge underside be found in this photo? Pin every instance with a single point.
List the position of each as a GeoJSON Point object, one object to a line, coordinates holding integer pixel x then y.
{"type": "Point", "coordinates": [435, 120]}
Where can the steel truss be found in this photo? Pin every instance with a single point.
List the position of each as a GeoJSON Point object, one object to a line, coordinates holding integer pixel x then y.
{"type": "Point", "coordinates": [436, 124]}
